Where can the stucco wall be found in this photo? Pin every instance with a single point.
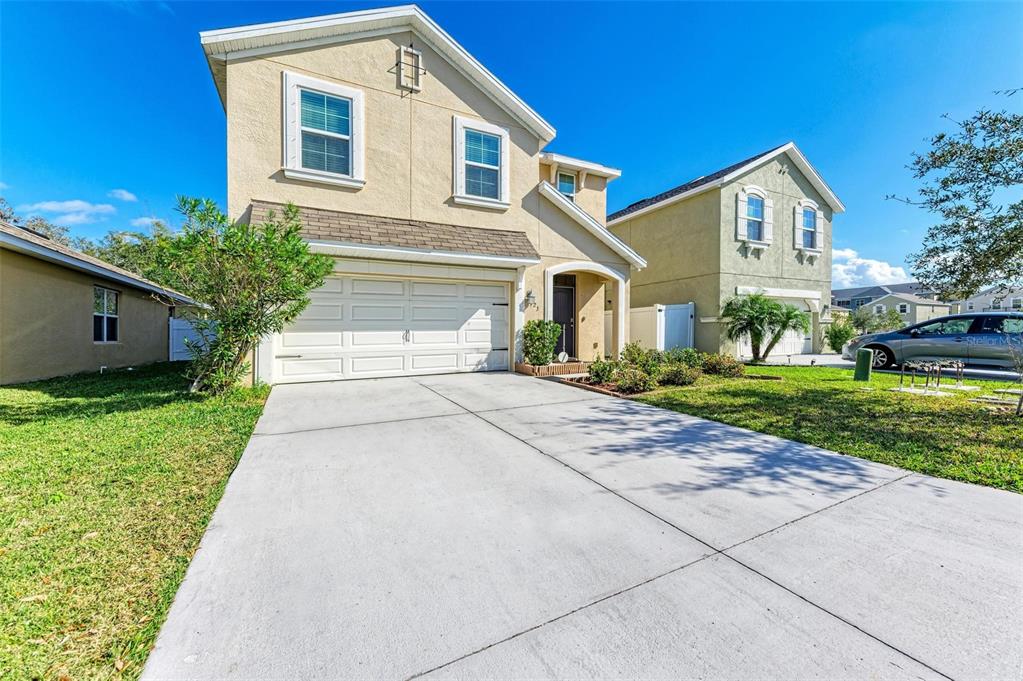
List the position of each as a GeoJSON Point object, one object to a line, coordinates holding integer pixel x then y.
{"type": "Point", "coordinates": [46, 322]}
{"type": "Point", "coordinates": [408, 152]}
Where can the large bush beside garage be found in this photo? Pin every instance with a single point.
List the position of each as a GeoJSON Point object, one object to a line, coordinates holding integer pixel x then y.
{"type": "Point", "coordinates": [539, 338]}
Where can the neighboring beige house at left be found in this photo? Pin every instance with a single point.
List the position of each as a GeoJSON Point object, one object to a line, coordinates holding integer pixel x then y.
{"type": "Point", "coordinates": [64, 312]}
{"type": "Point", "coordinates": [426, 179]}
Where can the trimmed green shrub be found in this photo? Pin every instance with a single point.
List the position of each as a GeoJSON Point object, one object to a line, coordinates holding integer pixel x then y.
{"type": "Point", "coordinates": [604, 371]}
{"type": "Point", "coordinates": [723, 365]}
{"type": "Point", "coordinates": [633, 380]}
{"type": "Point", "coordinates": [539, 338]}
{"type": "Point", "coordinates": [646, 360]}
{"type": "Point", "coordinates": [679, 374]}
{"type": "Point", "coordinates": [690, 357]}
{"type": "Point", "coordinates": [838, 334]}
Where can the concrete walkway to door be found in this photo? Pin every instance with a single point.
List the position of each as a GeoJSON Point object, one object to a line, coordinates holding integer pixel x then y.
{"type": "Point", "coordinates": [498, 526]}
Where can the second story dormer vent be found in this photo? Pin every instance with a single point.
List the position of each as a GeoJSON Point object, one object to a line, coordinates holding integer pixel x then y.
{"type": "Point", "coordinates": [410, 68]}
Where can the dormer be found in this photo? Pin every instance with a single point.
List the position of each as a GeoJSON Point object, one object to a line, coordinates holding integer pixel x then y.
{"type": "Point", "coordinates": [583, 182]}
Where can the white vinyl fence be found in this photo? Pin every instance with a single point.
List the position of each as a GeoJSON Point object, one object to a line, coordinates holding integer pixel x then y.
{"type": "Point", "coordinates": [181, 329]}
{"type": "Point", "coordinates": [659, 326]}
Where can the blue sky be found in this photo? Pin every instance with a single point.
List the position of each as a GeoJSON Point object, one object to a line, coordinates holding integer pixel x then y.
{"type": "Point", "coordinates": [104, 96]}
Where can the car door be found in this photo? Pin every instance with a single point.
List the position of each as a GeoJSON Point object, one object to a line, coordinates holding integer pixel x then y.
{"type": "Point", "coordinates": [944, 338]}
{"type": "Point", "coordinates": [990, 340]}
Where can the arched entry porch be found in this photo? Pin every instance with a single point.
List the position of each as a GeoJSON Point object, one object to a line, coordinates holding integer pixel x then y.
{"type": "Point", "coordinates": [591, 325]}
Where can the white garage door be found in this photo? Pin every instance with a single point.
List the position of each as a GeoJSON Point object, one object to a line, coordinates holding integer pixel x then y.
{"type": "Point", "coordinates": [365, 327]}
{"type": "Point", "coordinates": [792, 343]}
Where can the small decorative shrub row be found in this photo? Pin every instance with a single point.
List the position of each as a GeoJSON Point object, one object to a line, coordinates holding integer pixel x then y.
{"type": "Point", "coordinates": [642, 369]}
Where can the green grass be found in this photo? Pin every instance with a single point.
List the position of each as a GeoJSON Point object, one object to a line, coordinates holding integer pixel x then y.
{"type": "Point", "coordinates": [947, 437]}
{"type": "Point", "coordinates": [106, 485]}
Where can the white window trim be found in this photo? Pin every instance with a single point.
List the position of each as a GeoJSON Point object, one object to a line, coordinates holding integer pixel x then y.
{"type": "Point", "coordinates": [460, 125]}
{"type": "Point", "coordinates": [293, 169]}
{"type": "Point", "coordinates": [766, 224]}
{"type": "Point", "coordinates": [1015, 303]}
{"type": "Point", "coordinates": [575, 184]}
{"type": "Point", "coordinates": [969, 305]}
{"type": "Point", "coordinates": [903, 308]}
{"type": "Point", "coordinates": [879, 308]}
{"type": "Point", "coordinates": [798, 229]}
{"type": "Point", "coordinates": [105, 315]}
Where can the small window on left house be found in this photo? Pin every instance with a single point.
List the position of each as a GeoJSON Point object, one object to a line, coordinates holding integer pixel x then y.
{"type": "Point", "coordinates": [105, 318]}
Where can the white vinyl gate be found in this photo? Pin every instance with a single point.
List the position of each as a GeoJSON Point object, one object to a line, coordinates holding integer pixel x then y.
{"type": "Point", "coordinates": [368, 327]}
{"type": "Point", "coordinates": [661, 327]}
{"type": "Point", "coordinates": [181, 330]}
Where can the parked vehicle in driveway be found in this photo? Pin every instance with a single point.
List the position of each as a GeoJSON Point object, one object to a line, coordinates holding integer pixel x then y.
{"type": "Point", "coordinates": [979, 338]}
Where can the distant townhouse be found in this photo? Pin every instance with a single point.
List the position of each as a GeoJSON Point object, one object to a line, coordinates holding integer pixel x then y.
{"type": "Point", "coordinates": [853, 298]}
{"type": "Point", "coordinates": [994, 298]}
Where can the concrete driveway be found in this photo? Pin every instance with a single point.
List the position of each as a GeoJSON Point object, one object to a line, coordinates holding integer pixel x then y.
{"type": "Point", "coordinates": [499, 526]}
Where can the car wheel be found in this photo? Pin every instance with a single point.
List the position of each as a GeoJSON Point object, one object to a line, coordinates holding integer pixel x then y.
{"type": "Point", "coordinates": [883, 357]}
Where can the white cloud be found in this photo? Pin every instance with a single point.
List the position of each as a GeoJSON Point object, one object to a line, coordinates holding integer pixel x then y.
{"type": "Point", "coordinates": [73, 212]}
{"type": "Point", "coordinates": [848, 270]}
{"type": "Point", "coordinates": [144, 222]}
{"type": "Point", "coordinates": [122, 195]}
{"type": "Point", "coordinates": [4, 185]}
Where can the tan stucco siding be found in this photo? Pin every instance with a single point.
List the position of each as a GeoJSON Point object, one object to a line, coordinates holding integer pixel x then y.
{"type": "Point", "coordinates": [408, 137]}
{"type": "Point", "coordinates": [590, 193]}
{"type": "Point", "coordinates": [46, 322]}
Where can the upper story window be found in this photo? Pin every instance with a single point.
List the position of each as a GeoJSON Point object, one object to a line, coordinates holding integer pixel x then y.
{"type": "Point", "coordinates": [566, 184]}
{"type": "Point", "coordinates": [754, 217]}
{"type": "Point", "coordinates": [808, 233]}
{"type": "Point", "coordinates": [969, 305]}
{"type": "Point", "coordinates": [481, 164]}
{"type": "Point", "coordinates": [323, 138]}
{"type": "Point", "coordinates": [105, 319]}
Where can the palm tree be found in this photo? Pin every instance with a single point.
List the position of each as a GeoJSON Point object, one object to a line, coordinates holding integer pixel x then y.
{"type": "Point", "coordinates": [786, 318]}
{"type": "Point", "coordinates": [751, 316]}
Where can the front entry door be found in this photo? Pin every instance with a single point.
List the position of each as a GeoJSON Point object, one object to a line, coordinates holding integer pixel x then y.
{"type": "Point", "coordinates": [564, 314]}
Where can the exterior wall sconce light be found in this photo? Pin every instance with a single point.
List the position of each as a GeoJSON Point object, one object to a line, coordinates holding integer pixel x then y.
{"type": "Point", "coordinates": [530, 298]}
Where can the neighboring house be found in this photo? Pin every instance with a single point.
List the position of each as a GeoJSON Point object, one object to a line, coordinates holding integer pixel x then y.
{"type": "Point", "coordinates": [911, 308]}
{"type": "Point", "coordinates": [425, 177]}
{"type": "Point", "coordinates": [64, 312]}
{"type": "Point", "coordinates": [763, 224]}
{"type": "Point", "coordinates": [994, 298]}
{"type": "Point", "coordinates": [854, 298]}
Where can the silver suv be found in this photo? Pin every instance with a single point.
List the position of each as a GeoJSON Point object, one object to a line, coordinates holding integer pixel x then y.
{"type": "Point", "coordinates": [975, 338]}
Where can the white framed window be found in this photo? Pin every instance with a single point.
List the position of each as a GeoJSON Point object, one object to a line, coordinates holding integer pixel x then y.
{"type": "Point", "coordinates": [996, 304]}
{"type": "Point", "coordinates": [903, 308]}
{"type": "Point", "coordinates": [566, 184]}
{"type": "Point", "coordinates": [105, 318]}
{"type": "Point", "coordinates": [1016, 303]}
{"type": "Point", "coordinates": [754, 216]}
{"type": "Point", "coordinates": [879, 309]}
{"type": "Point", "coordinates": [969, 305]}
{"type": "Point", "coordinates": [808, 227]}
{"type": "Point", "coordinates": [323, 132]}
{"type": "Point", "coordinates": [481, 164]}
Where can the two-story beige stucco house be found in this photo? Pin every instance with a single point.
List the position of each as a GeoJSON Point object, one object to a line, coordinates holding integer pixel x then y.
{"type": "Point", "coordinates": [427, 179]}
{"type": "Point", "coordinates": [760, 225]}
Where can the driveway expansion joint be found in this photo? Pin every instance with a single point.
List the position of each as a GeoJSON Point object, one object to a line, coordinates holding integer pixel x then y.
{"type": "Point", "coordinates": [714, 552]}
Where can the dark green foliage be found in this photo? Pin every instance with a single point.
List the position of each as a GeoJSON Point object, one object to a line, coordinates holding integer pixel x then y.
{"type": "Point", "coordinates": [723, 365]}
{"type": "Point", "coordinates": [689, 357]}
{"type": "Point", "coordinates": [838, 334]}
{"type": "Point", "coordinates": [645, 359]}
{"type": "Point", "coordinates": [678, 374]}
{"type": "Point", "coordinates": [539, 339]}
{"type": "Point", "coordinates": [632, 380]}
{"type": "Point", "coordinates": [253, 280]}
{"type": "Point", "coordinates": [603, 371]}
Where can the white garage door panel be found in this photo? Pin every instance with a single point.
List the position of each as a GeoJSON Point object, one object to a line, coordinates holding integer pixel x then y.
{"type": "Point", "coordinates": [364, 327]}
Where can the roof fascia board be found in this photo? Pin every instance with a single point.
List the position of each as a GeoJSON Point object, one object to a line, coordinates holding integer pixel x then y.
{"type": "Point", "coordinates": [579, 164]}
{"type": "Point", "coordinates": [594, 227]}
{"type": "Point", "coordinates": [804, 166]}
{"type": "Point", "coordinates": [219, 42]}
{"type": "Point", "coordinates": [38, 251]}
{"type": "Point", "coordinates": [356, 250]}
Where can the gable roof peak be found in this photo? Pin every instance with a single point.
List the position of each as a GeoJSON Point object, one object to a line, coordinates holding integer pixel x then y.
{"type": "Point", "coordinates": [221, 45]}
{"type": "Point", "coordinates": [725, 175]}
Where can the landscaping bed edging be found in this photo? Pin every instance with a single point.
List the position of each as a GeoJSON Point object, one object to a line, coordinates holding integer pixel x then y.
{"type": "Point", "coordinates": [551, 369]}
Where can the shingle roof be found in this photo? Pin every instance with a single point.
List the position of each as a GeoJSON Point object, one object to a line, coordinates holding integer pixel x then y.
{"type": "Point", "coordinates": [373, 230]}
{"type": "Point", "coordinates": [692, 184]}
{"type": "Point", "coordinates": [68, 252]}
{"type": "Point", "coordinates": [912, 288]}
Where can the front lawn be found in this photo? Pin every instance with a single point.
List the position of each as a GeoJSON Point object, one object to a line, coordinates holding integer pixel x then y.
{"type": "Point", "coordinates": [106, 485]}
{"type": "Point", "coordinates": [947, 437]}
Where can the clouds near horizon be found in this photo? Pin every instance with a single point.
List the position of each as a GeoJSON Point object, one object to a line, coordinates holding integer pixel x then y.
{"type": "Point", "coordinates": [849, 270]}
